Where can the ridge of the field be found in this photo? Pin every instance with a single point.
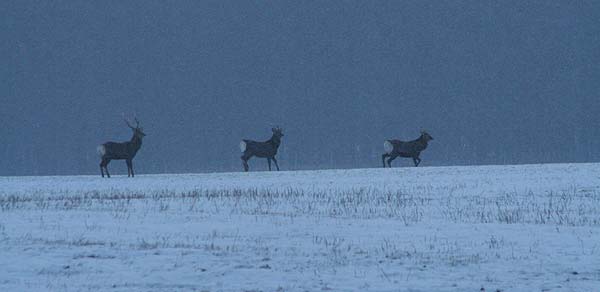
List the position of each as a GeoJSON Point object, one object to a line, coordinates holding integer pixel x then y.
{"type": "Point", "coordinates": [495, 177]}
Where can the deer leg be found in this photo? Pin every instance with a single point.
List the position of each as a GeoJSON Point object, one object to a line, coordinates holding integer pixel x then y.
{"type": "Point", "coordinates": [276, 164]}
{"type": "Point", "coordinates": [245, 162]}
{"type": "Point", "coordinates": [106, 167]}
{"type": "Point", "coordinates": [389, 161]}
{"type": "Point", "coordinates": [269, 162]}
{"type": "Point", "coordinates": [103, 165]}
{"type": "Point", "coordinates": [417, 161]}
{"type": "Point", "coordinates": [383, 158]}
{"type": "Point", "coordinates": [129, 168]}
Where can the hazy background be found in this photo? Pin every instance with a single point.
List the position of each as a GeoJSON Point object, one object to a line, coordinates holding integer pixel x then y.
{"type": "Point", "coordinates": [492, 81]}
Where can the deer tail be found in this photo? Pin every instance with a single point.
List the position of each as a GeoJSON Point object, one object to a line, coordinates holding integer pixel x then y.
{"type": "Point", "coordinates": [243, 146]}
{"type": "Point", "coordinates": [101, 150]}
{"type": "Point", "coordinates": [388, 147]}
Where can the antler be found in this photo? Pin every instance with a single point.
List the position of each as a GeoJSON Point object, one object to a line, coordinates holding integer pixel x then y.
{"type": "Point", "coordinates": [129, 124]}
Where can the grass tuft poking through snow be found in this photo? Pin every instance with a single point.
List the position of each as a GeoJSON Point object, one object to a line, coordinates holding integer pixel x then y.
{"type": "Point", "coordinates": [505, 228]}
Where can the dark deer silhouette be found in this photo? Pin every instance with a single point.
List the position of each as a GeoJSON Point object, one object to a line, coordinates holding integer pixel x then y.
{"type": "Point", "coordinates": [122, 151]}
{"type": "Point", "coordinates": [267, 149]}
{"type": "Point", "coordinates": [410, 149]}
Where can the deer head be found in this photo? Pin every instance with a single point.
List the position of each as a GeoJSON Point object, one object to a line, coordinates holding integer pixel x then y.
{"type": "Point", "coordinates": [426, 135]}
{"type": "Point", "coordinates": [137, 130]}
{"type": "Point", "coordinates": [277, 132]}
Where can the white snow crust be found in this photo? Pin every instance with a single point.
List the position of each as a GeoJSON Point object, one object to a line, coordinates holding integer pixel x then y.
{"type": "Point", "coordinates": [506, 228]}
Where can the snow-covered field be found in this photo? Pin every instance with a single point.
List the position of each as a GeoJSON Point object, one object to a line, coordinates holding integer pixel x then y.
{"type": "Point", "coordinates": [506, 228]}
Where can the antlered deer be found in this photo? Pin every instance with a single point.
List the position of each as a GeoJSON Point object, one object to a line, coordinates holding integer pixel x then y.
{"type": "Point", "coordinates": [410, 149]}
{"type": "Point", "coordinates": [122, 151]}
{"type": "Point", "coordinates": [267, 149]}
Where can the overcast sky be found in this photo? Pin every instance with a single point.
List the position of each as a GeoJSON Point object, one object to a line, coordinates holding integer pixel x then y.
{"type": "Point", "coordinates": [494, 82]}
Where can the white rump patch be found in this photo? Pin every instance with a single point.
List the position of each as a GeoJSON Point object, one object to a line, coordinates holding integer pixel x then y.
{"type": "Point", "coordinates": [101, 150]}
{"type": "Point", "coordinates": [243, 146]}
{"type": "Point", "coordinates": [388, 147]}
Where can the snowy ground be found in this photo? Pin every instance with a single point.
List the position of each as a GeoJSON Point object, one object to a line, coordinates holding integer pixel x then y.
{"type": "Point", "coordinates": [506, 228]}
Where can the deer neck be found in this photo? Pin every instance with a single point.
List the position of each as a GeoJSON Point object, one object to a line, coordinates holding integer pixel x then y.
{"type": "Point", "coordinates": [423, 141]}
{"type": "Point", "coordinates": [136, 142]}
{"type": "Point", "coordinates": [275, 141]}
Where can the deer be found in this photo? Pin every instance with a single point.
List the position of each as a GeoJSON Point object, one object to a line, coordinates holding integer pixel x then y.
{"type": "Point", "coordinates": [266, 149]}
{"type": "Point", "coordinates": [122, 150]}
{"type": "Point", "coordinates": [409, 149]}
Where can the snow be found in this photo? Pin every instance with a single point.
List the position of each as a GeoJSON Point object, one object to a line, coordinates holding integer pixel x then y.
{"type": "Point", "coordinates": [506, 228]}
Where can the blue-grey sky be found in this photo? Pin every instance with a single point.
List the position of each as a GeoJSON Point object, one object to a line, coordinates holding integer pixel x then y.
{"type": "Point", "coordinates": [492, 81]}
